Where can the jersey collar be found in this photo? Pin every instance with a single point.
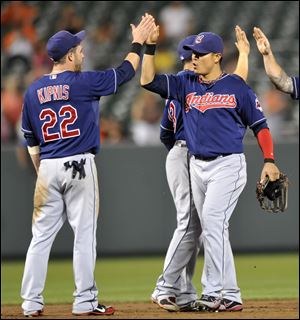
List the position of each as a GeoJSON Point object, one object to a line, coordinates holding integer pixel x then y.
{"type": "Point", "coordinates": [212, 81]}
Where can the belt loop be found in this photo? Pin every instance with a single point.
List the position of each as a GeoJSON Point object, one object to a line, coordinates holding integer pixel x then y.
{"type": "Point", "coordinates": [180, 143]}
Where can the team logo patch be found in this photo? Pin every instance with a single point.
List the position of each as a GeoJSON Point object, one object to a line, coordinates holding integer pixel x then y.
{"type": "Point", "coordinates": [199, 38]}
{"type": "Point", "coordinates": [258, 106]}
{"type": "Point", "coordinates": [209, 101]}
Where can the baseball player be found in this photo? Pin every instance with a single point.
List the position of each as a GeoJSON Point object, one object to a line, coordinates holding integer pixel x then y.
{"type": "Point", "coordinates": [60, 121]}
{"type": "Point", "coordinates": [175, 291]}
{"type": "Point", "coordinates": [276, 74]}
{"type": "Point", "coordinates": [217, 108]}
{"type": "Point", "coordinates": [181, 257]}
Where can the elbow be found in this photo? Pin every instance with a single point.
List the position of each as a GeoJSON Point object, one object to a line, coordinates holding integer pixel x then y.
{"type": "Point", "coordinates": [146, 78]}
{"type": "Point", "coordinates": [145, 81]}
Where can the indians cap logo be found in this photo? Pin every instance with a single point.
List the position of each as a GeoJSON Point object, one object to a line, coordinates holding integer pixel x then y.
{"type": "Point", "coordinates": [199, 38]}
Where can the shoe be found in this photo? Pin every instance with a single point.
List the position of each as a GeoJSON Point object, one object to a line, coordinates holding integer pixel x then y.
{"type": "Point", "coordinates": [100, 310]}
{"type": "Point", "coordinates": [193, 306]}
{"type": "Point", "coordinates": [229, 305]}
{"type": "Point", "coordinates": [210, 303]}
{"type": "Point", "coordinates": [168, 303]}
{"type": "Point", "coordinates": [31, 314]}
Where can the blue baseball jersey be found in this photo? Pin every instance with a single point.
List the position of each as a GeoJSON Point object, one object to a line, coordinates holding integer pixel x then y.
{"type": "Point", "coordinates": [61, 111]}
{"type": "Point", "coordinates": [171, 127]}
{"type": "Point", "coordinates": [215, 115]}
{"type": "Point", "coordinates": [295, 94]}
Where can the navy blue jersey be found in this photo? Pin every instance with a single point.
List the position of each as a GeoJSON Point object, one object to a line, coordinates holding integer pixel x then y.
{"type": "Point", "coordinates": [61, 111]}
{"type": "Point", "coordinates": [215, 115]}
{"type": "Point", "coordinates": [171, 127]}
{"type": "Point", "coordinates": [295, 94]}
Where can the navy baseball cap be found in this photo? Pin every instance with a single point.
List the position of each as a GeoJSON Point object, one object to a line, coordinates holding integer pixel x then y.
{"type": "Point", "coordinates": [183, 53]}
{"type": "Point", "coordinates": [206, 42]}
{"type": "Point", "coordinates": [60, 43]}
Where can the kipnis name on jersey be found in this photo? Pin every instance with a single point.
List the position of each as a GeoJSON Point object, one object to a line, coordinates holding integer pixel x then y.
{"type": "Point", "coordinates": [49, 93]}
{"type": "Point", "coordinates": [209, 101]}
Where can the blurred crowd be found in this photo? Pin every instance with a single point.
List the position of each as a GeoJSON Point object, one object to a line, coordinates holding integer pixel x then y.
{"type": "Point", "coordinates": [24, 59]}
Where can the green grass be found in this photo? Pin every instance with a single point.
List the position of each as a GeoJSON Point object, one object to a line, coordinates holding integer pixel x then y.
{"type": "Point", "coordinates": [133, 279]}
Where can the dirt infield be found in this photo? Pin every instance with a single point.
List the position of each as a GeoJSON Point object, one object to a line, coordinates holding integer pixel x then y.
{"type": "Point", "coordinates": [253, 309]}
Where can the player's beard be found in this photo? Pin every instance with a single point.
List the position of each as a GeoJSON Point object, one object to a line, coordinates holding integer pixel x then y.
{"type": "Point", "coordinates": [78, 65]}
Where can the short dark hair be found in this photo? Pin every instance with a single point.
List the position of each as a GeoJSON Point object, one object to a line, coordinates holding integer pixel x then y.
{"type": "Point", "coordinates": [186, 61]}
{"type": "Point", "coordinates": [64, 58]}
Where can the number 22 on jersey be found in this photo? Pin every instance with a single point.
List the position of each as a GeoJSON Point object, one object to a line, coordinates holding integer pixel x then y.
{"type": "Point", "coordinates": [51, 119]}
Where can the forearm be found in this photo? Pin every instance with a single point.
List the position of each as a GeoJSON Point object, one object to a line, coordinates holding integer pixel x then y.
{"type": "Point", "coordinates": [276, 74]}
{"type": "Point", "coordinates": [270, 170]}
{"type": "Point", "coordinates": [35, 157]}
{"type": "Point", "coordinates": [265, 142]}
{"type": "Point", "coordinates": [134, 55]}
{"type": "Point", "coordinates": [148, 69]}
{"type": "Point", "coordinates": [36, 162]}
{"type": "Point", "coordinates": [134, 59]}
{"type": "Point", "coordinates": [242, 66]}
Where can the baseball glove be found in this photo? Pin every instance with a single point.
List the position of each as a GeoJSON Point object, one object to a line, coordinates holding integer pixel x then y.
{"type": "Point", "coordinates": [273, 195]}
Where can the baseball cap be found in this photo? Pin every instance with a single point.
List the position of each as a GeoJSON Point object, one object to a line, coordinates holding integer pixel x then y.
{"type": "Point", "coordinates": [206, 42]}
{"type": "Point", "coordinates": [183, 53]}
{"type": "Point", "coordinates": [60, 43]}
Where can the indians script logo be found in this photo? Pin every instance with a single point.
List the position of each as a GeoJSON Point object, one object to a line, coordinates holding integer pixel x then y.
{"type": "Point", "coordinates": [199, 38]}
{"type": "Point", "coordinates": [209, 101]}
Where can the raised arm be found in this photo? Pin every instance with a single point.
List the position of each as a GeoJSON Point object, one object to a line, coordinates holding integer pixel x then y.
{"type": "Point", "coordinates": [139, 35]}
{"type": "Point", "coordinates": [274, 71]}
{"type": "Point", "coordinates": [148, 67]}
{"type": "Point", "coordinates": [243, 47]}
{"type": "Point", "coordinates": [167, 86]}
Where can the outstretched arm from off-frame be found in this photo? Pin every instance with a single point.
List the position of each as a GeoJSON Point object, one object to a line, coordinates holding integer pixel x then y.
{"type": "Point", "coordinates": [274, 71]}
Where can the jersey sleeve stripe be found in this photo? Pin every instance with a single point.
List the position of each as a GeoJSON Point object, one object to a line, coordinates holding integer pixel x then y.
{"type": "Point", "coordinates": [168, 85]}
{"type": "Point", "coordinates": [256, 122]}
{"type": "Point", "coordinates": [115, 80]}
{"type": "Point", "coordinates": [24, 130]}
{"type": "Point", "coordinates": [295, 87]}
{"type": "Point", "coordinates": [166, 128]}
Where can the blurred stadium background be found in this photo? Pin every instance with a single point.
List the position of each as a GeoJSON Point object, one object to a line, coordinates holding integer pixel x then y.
{"type": "Point", "coordinates": [133, 115]}
{"type": "Point", "coordinates": [137, 213]}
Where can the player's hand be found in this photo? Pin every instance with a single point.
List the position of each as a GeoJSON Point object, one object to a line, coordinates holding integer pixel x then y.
{"type": "Point", "coordinates": [141, 32]}
{"type": "Point", "coordinates": [262, 41]}
{"type": "Point", "coordinates": [270, 170]}
{"type": "Point", "coordinates": [242, 42]}
{"type": "Point", "coordinates": [154, 34]}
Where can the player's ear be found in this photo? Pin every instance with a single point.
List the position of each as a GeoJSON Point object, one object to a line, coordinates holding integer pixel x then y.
{"type": "Point", "coordinates": [218, 57]}
{"type": "Point", "coordinates": [70, 56]}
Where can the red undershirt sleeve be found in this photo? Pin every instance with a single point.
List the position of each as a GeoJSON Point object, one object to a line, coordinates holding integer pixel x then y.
{"type": "Point", "coordinates": [265, 142]}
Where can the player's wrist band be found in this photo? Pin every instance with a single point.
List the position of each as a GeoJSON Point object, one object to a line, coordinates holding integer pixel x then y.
{"type": "Point", "coordinates": [136, 48]}
{"type": "Point", "coordinates": [150, 49]}
{"type": "Point", "coordinates": [269, 160]}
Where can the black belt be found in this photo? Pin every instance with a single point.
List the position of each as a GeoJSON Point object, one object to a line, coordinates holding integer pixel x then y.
{"type": "Point", "coordinates": [212, 158]}
{"type": "Point", "coordinates": [89, 151]}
